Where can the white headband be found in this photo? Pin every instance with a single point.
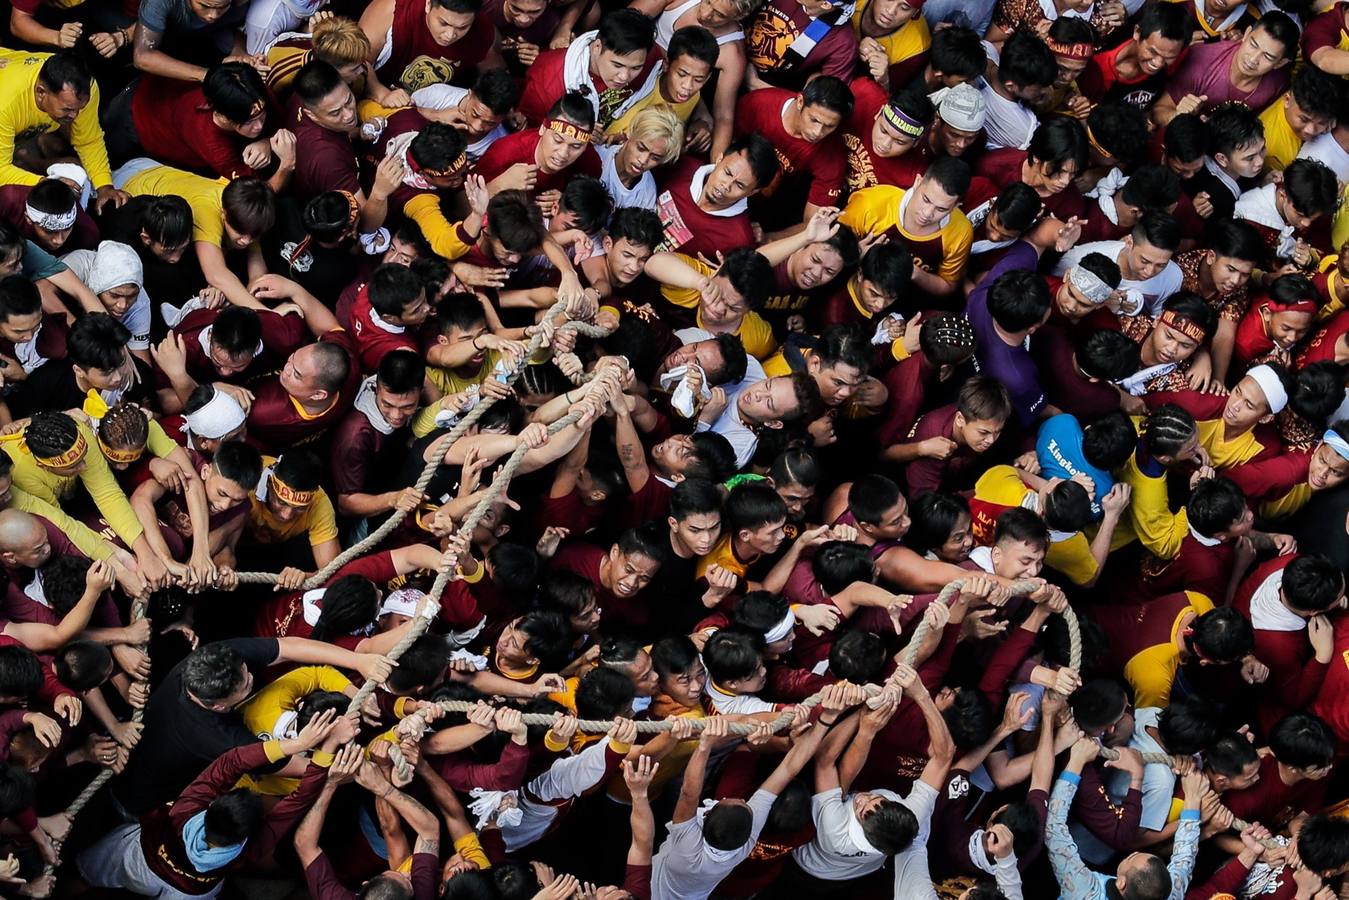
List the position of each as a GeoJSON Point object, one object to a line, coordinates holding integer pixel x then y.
{"type": "Point", "coordinates": [221, 415]}
{"type": "Point", "coordinates": [1090, 284]}
{"type": "Point", "coordinates": [1269, 382]}
{"type": "Point", "coordinates": [76, 174]}
{"type": "Point", "coordinates": [50, 221]}
{"type": "Point", "coordinates": [1337, 443]}
{"type": "Point", "coordinates": [781, 630]}
{"type": "Point", "coordinates": [402, 602]}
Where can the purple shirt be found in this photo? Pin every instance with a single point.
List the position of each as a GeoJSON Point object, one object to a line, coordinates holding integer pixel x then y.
{"type": "Point", "coordinates": [1206, 71]}
{"type": "Point", "coordinates": [1012, 366]}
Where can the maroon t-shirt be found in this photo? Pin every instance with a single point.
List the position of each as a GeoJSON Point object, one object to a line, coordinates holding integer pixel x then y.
{"type": "Point", "coordinates": [324, 160]}
{"type": "Point", "coordinates": [760, 112]}
{"type": "Point", "coordinates": [688, 228]}
{"type": "Point", "coordinates": [176, 127]}
{"type": "Point", "coordinates": [411, 39]}
{"type": "Point", "coordinates": [520, 148]}
{"type": "Point", "coordinates": [1206, 72]}
{"type": "Point", "coordinates": [84, 235]}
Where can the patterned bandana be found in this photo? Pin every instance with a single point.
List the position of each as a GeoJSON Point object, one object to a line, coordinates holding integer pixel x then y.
{"type": "Point", "coordinates": [1186, 326]}
{"type": "Point", "coordinates": [568, 129]}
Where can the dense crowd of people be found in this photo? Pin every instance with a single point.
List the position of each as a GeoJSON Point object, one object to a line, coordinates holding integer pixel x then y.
{"type": "Point", "coordinates": [869, 448]}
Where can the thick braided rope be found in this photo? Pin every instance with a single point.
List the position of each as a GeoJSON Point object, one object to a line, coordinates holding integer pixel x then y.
{"type": "Point", "coordinates": [437, 451]}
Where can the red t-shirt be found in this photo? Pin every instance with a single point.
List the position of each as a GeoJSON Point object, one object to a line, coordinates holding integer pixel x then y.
{"type": "Point", "coordinates": [1003, 167]}
{"type": "Point", "coordinates": [865, 167]}
{"type": "Point", "coordinates": [1100, 81]}
{"type": "Point", "coordinates": [1332, 701]}
{"type": "Point", "coordinates": [520, 148]}
{"type": "Point", "coordinates": [411, 39]}
{"type": "Point", "coordinates": [283, 614]}
{"type": "Point", "coordinates": [760, 112]}
{"type": "Point", "coordinates": [175, 126]}
{"type": "Point", "coordinates": [324, 160]}
{"type": "Point", "coordinates": [1321, 348]}
{"type": "Point", "coordinates": [1271, 801]}
{"type": "Point", "coordinates": [51, 336]}
{"type": "Point", "coordinates": [690, 229]}
{"type": "Point", "coordinates": [1326, 30]}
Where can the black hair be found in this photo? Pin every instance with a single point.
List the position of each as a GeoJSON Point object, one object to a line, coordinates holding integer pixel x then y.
{"type": "Point", "coordinates": [496, 89]}
{"type": "Point", "coordinates": [97, 341]}
{"type": "Point", "coordinates": [1230, 754]}
{"type": "Point", "coordinates": [694, 496]}
{"type": "Point", "coordinates": [52, 195]}
{"type": "Point", "coordinates": [604, 693]}
{"type": "Point", "coordinates": [349, 604]}
{"type": "Point", "coordinates": [1024, 525]}
{"type": "Point", "coordinates": [1222, 635]}
{"type": "Point", "coordinates": [234, 90]}
{"type": "Point", "coordinates": [946, 339]}
{"type": "Point", "coordinates": [419, 666]}
{"type": "Point", "coordinates": [300, 469]}
{"type": "Point", "coordinates": [1189, 305]}
{"type": "Point", "coordinates": [1098, 703]}
{"type": "Point", "coordinates": [1232, 126]}
{"type": "Point", "coordinates": [213, 671]}
{"type": "Point", "coordinates": [66, 67]}
{"type": "Point", "coordinates": [1280, 26]}
{"type": "Point", "coordinates": [713, 457]}
{"type": "Point", "coordinates": [625, 31]}
{"type": "Point", "coordinates": [693, 41]}
{"type": "Point", "coordinates": [734, 360]}
{"type": "Point", "coordinates": [761, 156]}
{"type": "Point", "coordinates": [1167, 429]}
{"type": "Point", "coordinates": [830, 93]}
{"type": "Point", "coordinates": [239, 462]}
{"type": "Point", "coordinates": [566, 592]}
{"type": "Point", "coordinates": [50, 433]}
{"type": "Point", "coordinates": [1157, 229]}
{"type": "Point", "coordinates": [589, 201]}
{"type": "Point", "coordinates": [515, 568]}
{"type": "Point", "coordinates": [732, 654]}
{"type": "Point", "coordinates": [650, 542]}
{"type": "Point", "coordinates": [513, 218]}
{"type": "Point", "coordinates": [914, 103]}
{"type": "Point", "coordinates": [749, 273]}
{"type": "Point", "coordinates": [1311, 584]}
{"type": "Point", "coordinates": [1108, 355]}
{"type": "Point", "coordinates": [1303, 741]}
{"type": "Point", "coordinates": [392, 289]}
{"type": "Point", "coordinates": [437, 146]}
{"type": "Point", "coordinates": [751, 506]}
{"type": "Point", "coordinates": [1215, 503]}
{"type": "Point", "coordinates": [889, 266]}
{"type": "Point", "coordinates": [728, 826]}
{"type": "Point", "coordinates": [249, 205]}
{"type": "Point", "coordinates": [237, 330]}
{"type": "Point", "coordinates": [1024, 823]}
{"type": "Point", "coordinates": [871, 496]}
{"type": "Point", "coordinates": [890, 827]}
{"type": "Point", "coordinates": [839, 564]}
{"type": "Point", "coordinates": [969, 717]}
{"type": "Point", "coordinates": [1026, 61]}
{"type": "Point", "coordinates": [1317, 391]}
{"type": "Point", "coordinates": [951, 173]}
{"type": "Point", "coordinates": [857, 656]}
{"type": "Point", "coordinates": [1323, 844]}
{"type": "Point", "coordinates": [844, 345]}
{"type": "Point", "coordinates": [18, 790]}
{"type": "Point", "coordinates": [316, 80]}
{"type": "Point", "coordinates": [1067, 507]}
{"type": "Point", "coordinates": [1103, 267]}
{"type": "Point", "coordinates": [1152, 187]}
{"type": "Point", "coordinates": [20, 671]}
{"type": "Point", "coordinates": [1018, 207]}
{"type": "Point", "coordinates": [796, 465]}
{"type": "Point", "coordinates": [63, 581]}
{"type": "Point", "coordinates": [401, 372]}
{"type": "Point", "coordinates": [1235, 239]}
{"type": "Point", "coordinates": [984, 399]}
{"type": "Point", "coordinates": [82, 665]}
{"type": "Point", "coordinates": [460, 310]}
{"type": "Point", "coordinates": [234, 817]}
{"type": "Point", "coordinates": [957, 52]}
{"type": "Point", "coordinates": [1186, 136]}
{"type": "Point", "coordinates": [673, 655]}
{"type": "Point", "coordinates": [1188, 725]}
{"type": "Point", "coordinates": [1108, 442]}
{"type": "Point", "coordinates": [18, 297]}
{"type": "Point", "coordinates": [933, 516]}
{"type": "Point", "coordinates": [1311, 187]}
{"type": "Point", "coordinates": [1317, 93]}
{"type": "Point", "coordinates": [547, 636]}
{"type": "Point", "coordinates": [637, 226]}
{"type": "Point", "coordinates": [460, 6]}
{"type": "Point", "coordinates": [1018, 300]}
{"type": "Point", "coordinates": [1121, 130]}
{"type": "Point", "coordinates": [1172, 22]}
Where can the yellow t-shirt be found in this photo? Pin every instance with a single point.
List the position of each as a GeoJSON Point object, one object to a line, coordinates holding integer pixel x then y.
{"type": "Point", "coordinates": [96, 477]}
{"type": "Point", "coordinates": [1281, 142]}
{"type": "Point", "coordinates": [20, 119]}
{"type": "Point", "coordinates": [655, 98]}
{"type": "Point", "coordinates": [1073, 558]}
{"type": "Point", "coordinates": [1227, 453]}
{"type": "Point", "coordinates": [270, 714]}
{"type": "Point", "coordinates": [1158, 529]}
{"type": "Point", "coordinates": [1152, 672]}
{"type": "Point", "coordinates": [319, 520]}
{"type": "Point", "coordinates": [448, 382]}
{"type": "Point", "coordinates": [723, 554]}
{"type": "Point", "coordinates": [202, 194]}
{"type": "Point", "coordinates": [876, 210]}
{"type": "Point", "coordinates": [1289, 503]}
{"type": "Point", "coordinates": [913, 38]}
{"type": "Point", "coordinates": [755, 334]}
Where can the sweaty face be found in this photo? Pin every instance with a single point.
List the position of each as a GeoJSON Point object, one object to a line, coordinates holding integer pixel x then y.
{"type": "Point", "coordinates": [958, 543]}
{"type": "Point", "coordinates": [19, 329]}
{"type": "Point", "coordinates": [713, 14]}
{"type": "Point", "coordinates": [894, 522]}
{"type": "Point", "coordinates": [63, 105]}
{"type": "Point", "coordinates": [478, 116]}
{"type": "Point", "coordinates": [52, 240]}
{"type": "Point", "coordinates": [523, 13]}
{"type": "Point", "coordinates": [706, 354]}
{"type": "Point", "coordinates": [839, 382]}
{"type": "Point", "coordinates": [626, 259]}
{"type": "Point", "coordinates": [730, 181]}
{"type": "Point", "coordinates": [511, 648]}
{"type": "Point", "coordinates": [673, 455]}
{"type": "Point", "coordinates": [797, 497]}
{"type": "Point", "coordinates": [1017, 559]}
{"type": "Point", "coordinates": [616, 70]}
{"type": "Point", "coordinates": [117, 301]}
{"type": "Point", "coordinates": [630, 572]}
{"type": "Point", "coordinates": [816, 123]}
{"type": "Point", "coordinates": [336, 111]}
{"type": "Point", "coordinates": [397, 409]}
{"type": "Point", "coordinates": [1260, 54]}
{"type": "Point", "coordinates": [447, 27]}
{"type": "Point", "coordinates": [282, 511]}
{"type": "Point", "coordinates": [684, 77]}
{"type": "Point", "coordinates": [557, 151]}
{"type": "Point", "coordinates": [685, 687]}
{"type": "Point", "coordinates": [1328, 469]}
{"type": "Point", "coordinates": [1168, 345]}
{"type": "Point", "coordinates": [725, 308]}
{"type": "Point", "coordinates": [298, 375]}
{"type": "Point", "coordinates": [1246, 405]}
{"type": "Point", "coordinates": [209, 10]}
{"type": "Point", "coordinates": [699, 532]}
{"type": "Point", "coordinates": [814, 265]}
{"type": "Point", "coordinates": [639, 155]}
{"type": "Point", "coordinates": [979, 434]}
{"type": "Point", "coordinates": [1052, 182]}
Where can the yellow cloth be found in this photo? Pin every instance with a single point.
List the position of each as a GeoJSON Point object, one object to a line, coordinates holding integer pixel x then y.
{"type": "Point", "coordinates": [1158, 529]}
{"type": "Point", "coordinates": [1073, 558]}
{"type": "Point", "coordinates": [655, 98]}
{"type": "Point", "coordinates": [723, 555]}
{"type": "Point", "coordinates": [20, 119]}
{"type": "Point", "coordinates": [1152, 671]}
{"type": "Point", "coordinates": [913, 38]}
{"type": "Point", "coordinates": [1227, 453]}
{"type": "Point", "coordinates": [96, 477]}
{"type": "Point", "coordinates": [755, 334]}
{"type": "Point", "coordinates": [263, 712]}
{"type": "Point", "coordinates": [449, 382]}
{"type": "Point", "coordinates": [1289, 503]}
{"type": "Point", "coordinates": [202, 194]}
{"type": "Point", "coordinates": [1339, 231]}
{"type": "Point", "coordinates": [440, 232]}
{"type": "Point", "coordinates": [471, 850]}
{"type": "Point", "coordinates": [1281, 142]}
{"type": "Point", "coordinates": [1000, 486]}
{"type": "Point", "coordinates": [319, 520]}
{"type": "Point", "coordinates": [672, 765]}
{"type": "Point", "coordinates": [875, 210]}
{"type": "Point", "coordinates": [567, 696]}
{"type": "Point", "coordinates": [81, 535]}
{"type": "Point", "coordinates": [1330, 263]}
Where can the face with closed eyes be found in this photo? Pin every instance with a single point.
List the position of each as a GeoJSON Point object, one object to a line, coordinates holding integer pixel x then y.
{"type": "Point", "coordinates": [814, 265]}
{"type": "Point", "coordinates": [766, 402]}
{"type": "Point", "coordinates": [630, 572]}
{"type": "Point", "coordinates": [730, 181]}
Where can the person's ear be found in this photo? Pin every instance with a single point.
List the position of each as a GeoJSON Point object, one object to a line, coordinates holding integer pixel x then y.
{"type": "Point", "coordinates": [775, 424]}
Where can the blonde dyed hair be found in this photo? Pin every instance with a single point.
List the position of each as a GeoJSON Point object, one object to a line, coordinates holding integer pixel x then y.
{"type": "Point", "coordinates": [340, 41]}
{"type": "Point", "coordinates": [656, 122]}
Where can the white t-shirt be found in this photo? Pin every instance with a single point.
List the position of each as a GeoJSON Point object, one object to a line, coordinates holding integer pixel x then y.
{"type": "Point", "coordinates": [834, 856]}
{"type": "Point", "coordinates": [1328, 150]}
{"type": "Point", "coordinates": [686, 868]}
{"type": "Point", "coordinates": [641, 195]}
{"type": "Point", "coordinates": [137, 317]}
{"type": "Point", "coordinates": [1009, 123]}
{"type": "Point", "coordinates": [1155, 290]}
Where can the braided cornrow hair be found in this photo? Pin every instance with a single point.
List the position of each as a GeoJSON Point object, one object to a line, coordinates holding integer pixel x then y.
{"type": "Point", "coordinates": [1167, 429]}
{"type": "Point", "coordinates": [51, 434]}
{"type": "Point", "coordinates": [124, 427]}
{"type": "Point", "coordinates": [946, 338]}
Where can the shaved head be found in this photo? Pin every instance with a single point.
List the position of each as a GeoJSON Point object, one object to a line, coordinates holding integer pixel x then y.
{"type": "Point", "coordinates": [23, 539]}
